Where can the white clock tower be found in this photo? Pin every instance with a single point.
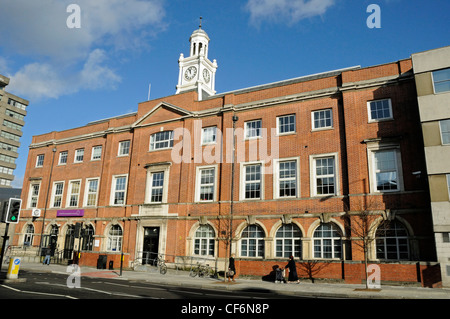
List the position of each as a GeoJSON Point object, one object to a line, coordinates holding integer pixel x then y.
{"type": "Point", "coordinates": [197, 72]}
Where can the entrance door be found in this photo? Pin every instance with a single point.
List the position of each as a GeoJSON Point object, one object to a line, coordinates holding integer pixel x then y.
{"type": "Point", "coordinates": [69, 242]}
{"type": "Point", "coordinates": [151, 244]}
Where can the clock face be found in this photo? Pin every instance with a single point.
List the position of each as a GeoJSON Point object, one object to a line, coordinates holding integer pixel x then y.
{"type": "Point", "coordinates": [190, 73]}
{"type": "Point", "coordinates": [206, 75]}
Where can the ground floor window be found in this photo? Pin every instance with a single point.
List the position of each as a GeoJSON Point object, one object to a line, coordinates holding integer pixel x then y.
{"type": "Point", "coordinates": [204, 241]}
{"type": "Point", "coordinates": [114, 242]}
{"type": "Point", "coordinates": [252, 241]}
{"type": "Point", "coordinates": [327, 242]}
{"type": "Point", "coordinates": [392, 241]}
{"type": "Point", "coordinates": [288, 241]}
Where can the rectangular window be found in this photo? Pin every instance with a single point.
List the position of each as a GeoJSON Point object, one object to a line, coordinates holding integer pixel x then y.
{"type": "Point", "coordinates": [287, 179]}
{"type": "Point", "coordinates": [253, 129]}
{"type": "Point", "coordinates": [206, 182]}
{"type": "Point", "coordinates": [62, 158]}
{"type": "Point", "coordinates": [157, 187]}
{"type": "Point", "coordinates": [34, 195]}
{"type": "Point", "coordinates": [40, 160]}
{"type": "Point", "coordinates": [58, 189]}
{"type": "Point", "coordinates": [96, 153]}
{"type": "Point", "coordinates": [124, 148]}
{"type": "Point", "coordinates": [445, 131]}
{"type": "Point", "coordinates": [79, 155]}
{"type": "Point", "coordinates": [325, 176]}
{"type": "Point", "coordinates": [209, 135]}
{"type": "Point", "coordinates": [386, 173]}
{"type": "Point", "coordinates": [380, 110]}
{"type": "Point", "coordinates": [91, 191]}
{"type": "Point", "coordinates": [252, 181]}
{"type": "Point", "coordinates": [441, 81]}
{"type": "Point", "coordinates": [322, 119]}
{"type": "Point", "coordinates": [286, 124]}
{"type": "Point", "coordinates": [119, 190]}
{"type": "Point", "coordinates": [161, 140]}
{"type": "Point", "coordinates": [74, 193]}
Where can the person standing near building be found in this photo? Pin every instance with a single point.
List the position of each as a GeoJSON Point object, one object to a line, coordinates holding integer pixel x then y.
{"type": "Point", "coordinates": [293, 277]}
{"type": "Point", "coordinates": [231, 268]}
{"type": "Point", "coordinates": [47, 256]}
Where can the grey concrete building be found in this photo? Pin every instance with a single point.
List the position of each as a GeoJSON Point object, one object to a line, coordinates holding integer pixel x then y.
{"type": "Point", "coordinates": [432, 75]}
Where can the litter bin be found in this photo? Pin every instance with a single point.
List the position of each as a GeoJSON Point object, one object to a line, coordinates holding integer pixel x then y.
{"type": "Point", "coordinates": [101, 261]}
{"type": "Point", "coordinates": [111, 265]}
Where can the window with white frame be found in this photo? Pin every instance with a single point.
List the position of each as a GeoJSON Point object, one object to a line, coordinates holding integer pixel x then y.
{"type": "Point", "coordinates": [253, 129]}
{"type": "Point", "coordinates": [204, 241]}
{"type": "Point", "coordinates": [322, 119]}
{"type": "Point", "coordinates": [91, 191]}
{"type": "Point", "coordinates": [441, 80]}
{"type": "Point", "coordinates": [392, 241]}
{"type": "Point", "coordinates": [124, 148]}
{"type": "Point", "coordinates": [288, 241]}
{"type": "Point", "coordinates": [157, 187]}
{"type": "Point", "coordinates": [252, 241]}
{"type": "Point", "coordinates": [63, 158]}
{"type": "Point", "coordinates": [385, 170]}
{"type": "Point", "coordinates": [324, 176]}
{"type": "Point", "coordinates": [114, 242]}
{"type": "Point", "coordinates": [286, 124]}
{"type": "Point", "coordinates": [286, 179]}
{"type": "Point", "coordinates": [209, 135]}
{"type": "Point", "coordinates": [327, 242]}
{"type": "Point", "coordinates": [96, 153]}
{"type": "Point", "coordinates": [58, 188]}
{"type": "Point", "coordinates": [379, 110]}
{"type": "Point", "coordinates": [40, 160]}
{"type": "Point", "coordinates": [445, 131]}
{"type": "Point", "coordinates": [119, 190]}
{"type": "Point", "coordinates": [251, 181]}
{"type": "Point", "coordinates": [73, 193]}
{"type": "Point", "coordinates": [206, 184]}
{"type": "Point", "coordinates": [161, 140]}
{"type": "Point", "coordinates": [79, 155]}
{"type": "Point", "coordinates": [29, 234]}
{"type": "Point", "coordinates": [34, 195]}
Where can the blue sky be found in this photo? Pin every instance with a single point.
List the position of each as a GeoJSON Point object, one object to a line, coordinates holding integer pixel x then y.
{"type": "Point", "coordinates": [103, 69]}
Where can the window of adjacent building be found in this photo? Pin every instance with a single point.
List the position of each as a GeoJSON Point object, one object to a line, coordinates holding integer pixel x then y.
{"type": "Point", "coordinates": [441, 81]}
{"type": "Point", "coordinates": [286, 179]}
{"type": "Point", "coordinates": [392, 241]}
{"type": "Point", "coordinates": [63, 158]}
{"type": "Point", "coordinates": [205, 184]}
{"type": "Point", "coordinates": [445, 131]}
{"type": "Point", "coordinates": [380, 110]}
{"type": "Point", "coordinates": [16, 104]}
{"type": "Point", "coordinates": [73, 193]}
{"type": "Point", "coordinates": [286, 124]}
{"type": "Point", "coordinates": [124, 148]}
{"type": "Point", "coordinates": [252, 181]}
{"type": "Point", "coordinates": [7, 159]}
{"type": "Point", "coordinates": [161, 140]}
{"type": "Point", "coordinates": [253, 129]}
{"type": "Point", "coordinates": [10, 136]}
{"type": "Point", "coordinates": [288, 241]}
{"type": "Point", "coordinates": [58, 188]}
{"type": "Point", "coordinates": [96, 153]}
{"type": "Point", "coordinates": [204, 241]}
{"type": "Point", "coordinates": [157, 187]}
{"type": "Point", "coordinates": [448, 184]}
{"type": "Point", "coordinates": [29, 234]}
{"type": "Point", "coordinates": [114, 242]}
{"type": "Point", "coordinates": [327, 242]}
{"type": "Point", "coordinates": [119, 190]}
{"type": "Point", "coordinates": [252, 241]}
{"type": "Point", "coordinates": [6, 170]}
{"type": "Point", "coordinates": [324, 172]}
{"type": "Point", "coordinates": [91, 191]}
{"type": "Point", "coordinates": [34, 195]}
{"type": "Point", "coordinates": [209, 135]}
{"type": "Point", "coordinates": [79, 155]}
{"type": "Point", "coordinates": [40, 160]}
{"type": "Point", "coordinates": [446, 237]}
{"type": "Point", "coordinates": [5, 182]}
{"type": "Point", "coordinates": [12, 125]}
{"type": "Point", "coordinates": [8, 147]}
{"type": "Point", "coordinates": [322, 119]}
{"type": "Point", "coordinates": [14, 115]}
{"type": "Point", "coordinates": [386, 170]}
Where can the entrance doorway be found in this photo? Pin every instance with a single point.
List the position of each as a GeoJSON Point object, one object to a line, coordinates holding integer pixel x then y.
{"type": "Point", "coordinates": [151, 245]}
{"type": "Point", "coordinates": [69, 242]}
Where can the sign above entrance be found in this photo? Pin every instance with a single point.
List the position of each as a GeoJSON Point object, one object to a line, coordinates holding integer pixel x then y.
{"type": "Point", "coordinates": [70, 213]}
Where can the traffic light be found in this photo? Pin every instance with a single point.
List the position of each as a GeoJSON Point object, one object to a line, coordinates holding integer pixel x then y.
{"type": "Point", "coordinates": [13, 211]}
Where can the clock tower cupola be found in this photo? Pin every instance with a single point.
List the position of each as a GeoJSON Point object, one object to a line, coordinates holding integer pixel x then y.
{"type": "Point", "coordinates": [197, 72]}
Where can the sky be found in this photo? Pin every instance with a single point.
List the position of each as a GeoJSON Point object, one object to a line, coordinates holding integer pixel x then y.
{"type": "Point", "coordinates": [74, 71]}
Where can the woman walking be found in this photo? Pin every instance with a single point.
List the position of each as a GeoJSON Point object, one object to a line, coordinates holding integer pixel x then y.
{"type": "Point", "coordinates": [293, 277]}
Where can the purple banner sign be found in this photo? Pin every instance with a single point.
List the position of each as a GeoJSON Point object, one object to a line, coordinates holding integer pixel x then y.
{"type": "Point", "coordinates": [70, 213]}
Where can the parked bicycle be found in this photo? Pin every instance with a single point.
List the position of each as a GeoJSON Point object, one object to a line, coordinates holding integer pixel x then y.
{"type": "Point", "coordinates": [201, 270]}
{"type": "Point", "coordinates": [160, 263]}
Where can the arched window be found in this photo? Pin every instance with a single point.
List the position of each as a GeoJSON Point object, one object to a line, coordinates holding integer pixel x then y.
{"type": "Point", "coordinates": [252, 241]}
{"type": "Point", "coordinates": [327, 241]}
{"type": "Point", "coordinates": [392, 241]}
{"type": "Point", "coordinates": [88, 238]}
{"type": "Point", "coordinates": [288, 241]}
{"type": "Point", "coordinates": [29, 234]}
{"type": "Point", "coordinates": [204, 241]}
{"type": "Point", "coordinates": [114, 242]}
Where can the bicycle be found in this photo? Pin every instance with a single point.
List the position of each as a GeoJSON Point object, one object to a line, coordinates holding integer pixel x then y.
{"type": "Point", "coordinates": [201, 270]}
{"type": "Point", "coordinates": [159, 262]}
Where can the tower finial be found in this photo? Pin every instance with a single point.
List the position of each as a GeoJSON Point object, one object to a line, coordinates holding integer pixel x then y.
{"type": "Point", "coordinates": [200, 26]}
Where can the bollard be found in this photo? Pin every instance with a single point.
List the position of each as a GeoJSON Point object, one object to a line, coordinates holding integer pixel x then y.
{"type": "Point", "coordinates": [13, 270]}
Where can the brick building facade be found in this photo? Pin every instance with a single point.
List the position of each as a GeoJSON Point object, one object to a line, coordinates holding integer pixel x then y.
{"type": "Point", "coordinates": [312, 156]}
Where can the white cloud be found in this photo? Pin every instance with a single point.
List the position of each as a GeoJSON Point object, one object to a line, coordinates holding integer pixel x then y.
{"type": "Point", "coordinates": [66, 60]}
{"type": "Point", "coordinates": [286, 11]}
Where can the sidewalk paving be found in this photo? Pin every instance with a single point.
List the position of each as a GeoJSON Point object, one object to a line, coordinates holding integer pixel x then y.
{"type": "Point", "coordinates": [307, 289]}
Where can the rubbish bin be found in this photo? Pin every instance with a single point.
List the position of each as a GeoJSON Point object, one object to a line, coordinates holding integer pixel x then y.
{"type": "Point", "coordinates": [111, 265]}
{"type": "Point", "coordinates": [101, 261]}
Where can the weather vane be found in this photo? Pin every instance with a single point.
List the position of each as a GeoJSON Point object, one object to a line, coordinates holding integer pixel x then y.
{"type": "Point", "coordinates": [200, 26]}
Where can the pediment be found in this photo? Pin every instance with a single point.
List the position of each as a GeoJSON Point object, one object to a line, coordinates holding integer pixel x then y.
{"type": "Point", "coordinates": [161, 113]}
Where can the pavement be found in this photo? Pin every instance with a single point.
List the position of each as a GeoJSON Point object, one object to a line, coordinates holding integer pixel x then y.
{"type": "Point", "coordinates": [303, 289]}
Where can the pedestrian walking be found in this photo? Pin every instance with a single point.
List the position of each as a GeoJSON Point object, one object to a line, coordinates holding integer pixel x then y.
{"type": "Point", "coordinates": [293, 277]}
{"type": "Point", "coordinates": [231, 268]}
{"type": "Point", "coordinates": [47, 256]}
